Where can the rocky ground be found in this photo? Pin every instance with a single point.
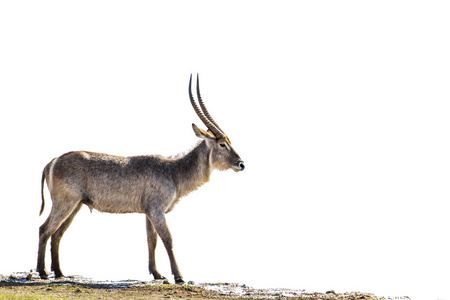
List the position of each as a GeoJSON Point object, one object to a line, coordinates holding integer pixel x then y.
{"type": "Point", "coordinates": [28, 285]}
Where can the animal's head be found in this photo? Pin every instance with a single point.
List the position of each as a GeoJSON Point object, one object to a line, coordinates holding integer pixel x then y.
{"type": "Point", "coordinates": [223, 155]}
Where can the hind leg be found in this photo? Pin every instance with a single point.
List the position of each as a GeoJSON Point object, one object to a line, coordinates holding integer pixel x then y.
{"type": "Point", "coordinates": [57, 216]}
{"type": "Point", "coordinates": [56, 239]}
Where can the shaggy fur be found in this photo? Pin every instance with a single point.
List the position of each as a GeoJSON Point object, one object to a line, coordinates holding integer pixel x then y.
{"type": "Point", "coordinates": [151, 185]}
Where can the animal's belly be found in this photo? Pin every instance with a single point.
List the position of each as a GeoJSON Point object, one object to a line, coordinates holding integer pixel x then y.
{"type": "Point", "coordinates": [116, 204]}
{"type": "Point", "coordinates": [116, 208]}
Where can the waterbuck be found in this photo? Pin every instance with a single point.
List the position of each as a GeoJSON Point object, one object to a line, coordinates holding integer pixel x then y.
{"type": "Point", "coordinates": [151, 185]}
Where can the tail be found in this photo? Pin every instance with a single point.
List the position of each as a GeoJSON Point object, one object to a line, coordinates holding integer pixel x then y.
{"type": "Point", "coordinates": [42, 192]}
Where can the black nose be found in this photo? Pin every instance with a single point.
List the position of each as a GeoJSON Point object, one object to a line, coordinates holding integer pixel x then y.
{"type": "Point", "coordinates": [242, 166]}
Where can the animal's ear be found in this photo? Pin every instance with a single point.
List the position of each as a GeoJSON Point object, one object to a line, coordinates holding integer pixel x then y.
{"type": "Point", "coordinates": [201, 133]}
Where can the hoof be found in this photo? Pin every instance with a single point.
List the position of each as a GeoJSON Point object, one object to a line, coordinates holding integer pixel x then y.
{"type": "Point", "coordinates": [179, 281]}
{"type": "Point", "coordinates": [43, 274]}
{"type": "Point", "coordinates": [161, 280]}
{"type": "Point", "coordinates": [160, 277]}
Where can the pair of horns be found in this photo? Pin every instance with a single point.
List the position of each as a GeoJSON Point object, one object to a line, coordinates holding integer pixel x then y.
{"type": "Point", "coordinates": [203, 114]}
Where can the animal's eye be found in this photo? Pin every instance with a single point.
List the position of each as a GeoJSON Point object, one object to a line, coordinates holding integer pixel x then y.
{"type": "Point", "coordinates": [222, 145]}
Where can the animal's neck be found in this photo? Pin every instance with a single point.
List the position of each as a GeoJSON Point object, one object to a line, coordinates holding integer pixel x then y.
{"type": "Point", "coordinates": [194, 169]}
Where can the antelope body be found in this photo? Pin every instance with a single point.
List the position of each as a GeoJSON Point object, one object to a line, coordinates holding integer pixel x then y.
{"type": "Point", "coordinates": [151, 185]}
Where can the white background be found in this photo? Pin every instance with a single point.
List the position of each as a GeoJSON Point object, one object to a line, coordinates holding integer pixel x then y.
{"type": "Point", "coordinates": [340, 110]}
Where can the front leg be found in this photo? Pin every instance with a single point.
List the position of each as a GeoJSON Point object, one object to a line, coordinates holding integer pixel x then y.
{"type": "Point", "coordinates": [152, 238]}
{"type": "Point", "coordinates": [158, 220]}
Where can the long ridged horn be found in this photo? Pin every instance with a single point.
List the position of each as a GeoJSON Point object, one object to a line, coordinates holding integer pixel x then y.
{"type": "Point", "coordinates": [217, 132]}
{"type": "Point", "coordinates": [203, 107]}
